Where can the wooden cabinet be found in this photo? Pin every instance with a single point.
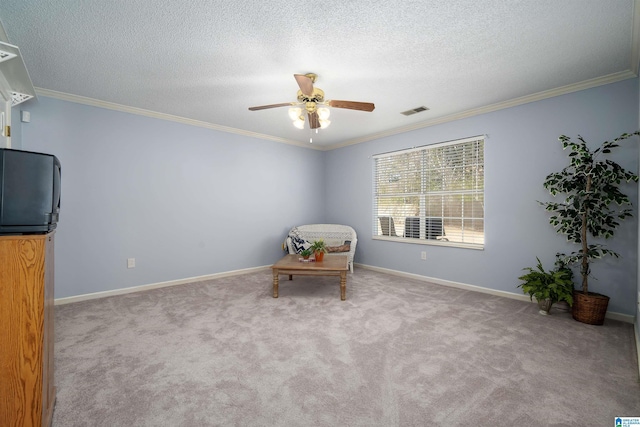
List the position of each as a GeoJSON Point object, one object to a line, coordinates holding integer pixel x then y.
{"type": "Point", "coordinates": [27, 392]}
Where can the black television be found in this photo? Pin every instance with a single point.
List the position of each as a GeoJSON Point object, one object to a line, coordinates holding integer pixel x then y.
{"type": "Point", "coordinates": [29, 192]}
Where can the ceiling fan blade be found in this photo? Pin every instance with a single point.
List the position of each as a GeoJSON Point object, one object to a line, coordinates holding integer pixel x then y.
{"type": "Point", "coordinates": [264, 107]}
{"type": "Point", "coordinates": [314, 120]}
{"type": "Point", "coordinates": [352, 105]}
{"type": "Point", "coordinates": [305, 83]}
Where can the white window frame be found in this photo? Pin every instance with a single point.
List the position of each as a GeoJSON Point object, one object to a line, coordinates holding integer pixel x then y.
{"type": "Point", "coordinates": [399, 224]}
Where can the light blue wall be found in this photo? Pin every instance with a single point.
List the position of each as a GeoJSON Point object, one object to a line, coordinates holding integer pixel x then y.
{"type": "Point", "coordinates": [521, 149]}
{"type": "Point", "coordinates": [188, 201]}
{"type": "Point", "coordinates": [184, 201]}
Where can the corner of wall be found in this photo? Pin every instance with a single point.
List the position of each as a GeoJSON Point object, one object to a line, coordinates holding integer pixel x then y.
{"type": "Point", "coordinates": [637, 322]}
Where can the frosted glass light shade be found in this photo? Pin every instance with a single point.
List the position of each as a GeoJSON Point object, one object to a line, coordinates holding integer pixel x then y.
{"type": "Point", "coordinates": [299, 123]}
{"type": "Point", "coordinates": [324, 123]}
{"type": "Point", "coordinates": [294, 113]}
{"type": "Point", "coordinates": [323, 113]}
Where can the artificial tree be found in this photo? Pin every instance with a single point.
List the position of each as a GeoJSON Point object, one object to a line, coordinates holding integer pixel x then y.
{"type": "Point", "coordinates": [593, 205]}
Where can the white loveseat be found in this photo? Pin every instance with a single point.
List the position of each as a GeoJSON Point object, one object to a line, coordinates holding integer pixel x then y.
{"type": "Point", "coordinates": [334, 236]}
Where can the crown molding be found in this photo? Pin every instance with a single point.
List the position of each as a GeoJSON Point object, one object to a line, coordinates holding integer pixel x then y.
{"type": "Point", "coordinates": [162, 116]}
{"type": "Point", "coordinates": [586, 84]}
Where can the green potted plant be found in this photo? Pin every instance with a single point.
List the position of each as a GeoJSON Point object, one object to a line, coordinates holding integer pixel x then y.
{"type": "Point", "coordinates": [319, 248]}
{"type": "Point", "coordinates": [548, 287]}
{"type": "Point", "coordinates": [306, 253]}
{"type": "Point", "coordinates": [593, 206]}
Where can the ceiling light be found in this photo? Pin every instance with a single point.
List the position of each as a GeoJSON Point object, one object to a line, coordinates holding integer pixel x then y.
{"type": "Point", "coordinates": [299, 122]}
{"type": "Point", "coordinates": [294, 113]}
{"type": "Point", "coordinates": [323, 113]}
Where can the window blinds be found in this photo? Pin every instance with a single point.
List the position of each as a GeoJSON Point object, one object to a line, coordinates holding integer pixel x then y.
{"type": "Point", "coordinates": [431, 194]}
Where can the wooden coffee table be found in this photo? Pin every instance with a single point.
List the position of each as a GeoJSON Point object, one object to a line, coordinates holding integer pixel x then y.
{"type": "Point", "coordinates": [335, 265]}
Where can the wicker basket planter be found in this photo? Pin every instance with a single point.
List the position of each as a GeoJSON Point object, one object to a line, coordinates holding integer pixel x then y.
{"type": "Point", "coordinates": [589, 308]}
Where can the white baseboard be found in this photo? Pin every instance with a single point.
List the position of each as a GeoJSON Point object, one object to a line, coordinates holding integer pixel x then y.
{"type": "Point", "coordinates": [60, 301]}
{"type": "Point", "coordinates": [610, 315]}
{"type": "Point", "coordinates": [122, 291]}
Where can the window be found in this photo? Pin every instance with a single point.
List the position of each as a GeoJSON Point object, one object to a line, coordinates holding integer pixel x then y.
{"type": "Point", "coordinates": [431, 194]}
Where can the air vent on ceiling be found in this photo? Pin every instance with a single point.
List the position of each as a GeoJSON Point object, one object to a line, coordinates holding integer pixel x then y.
{"type": "Point", "coordinates": [414, 110]}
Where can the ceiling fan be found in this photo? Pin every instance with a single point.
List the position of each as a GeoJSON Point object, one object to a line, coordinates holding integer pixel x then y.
{"type": "Point", "coordinates": [312, 100]}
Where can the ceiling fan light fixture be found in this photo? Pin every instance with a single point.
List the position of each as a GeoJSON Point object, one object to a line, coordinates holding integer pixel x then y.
{"type": "Point", "coordinates": [323, 113]}
{"type": "Point", "coordinates": [294, 113]}
{"type": "Point", "coordinates": [311, 103]}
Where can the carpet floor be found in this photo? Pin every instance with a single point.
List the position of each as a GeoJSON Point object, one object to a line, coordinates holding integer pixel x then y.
{"type": "Point", "coordinates": [397, 352]}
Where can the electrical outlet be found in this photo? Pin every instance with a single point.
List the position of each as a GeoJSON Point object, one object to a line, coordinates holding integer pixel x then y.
{"type": "Point", "coordinates": [423, 255]}
{"type": "Point", "coordinates": [131, 262]}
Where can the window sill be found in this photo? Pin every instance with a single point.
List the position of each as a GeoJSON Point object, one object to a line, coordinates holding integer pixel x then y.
{"type": "Point", "coordinates": [479, 247]}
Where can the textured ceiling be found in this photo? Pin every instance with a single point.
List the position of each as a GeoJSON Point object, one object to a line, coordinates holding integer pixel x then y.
{"type": "Point", "coordinates": [209, 61]}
